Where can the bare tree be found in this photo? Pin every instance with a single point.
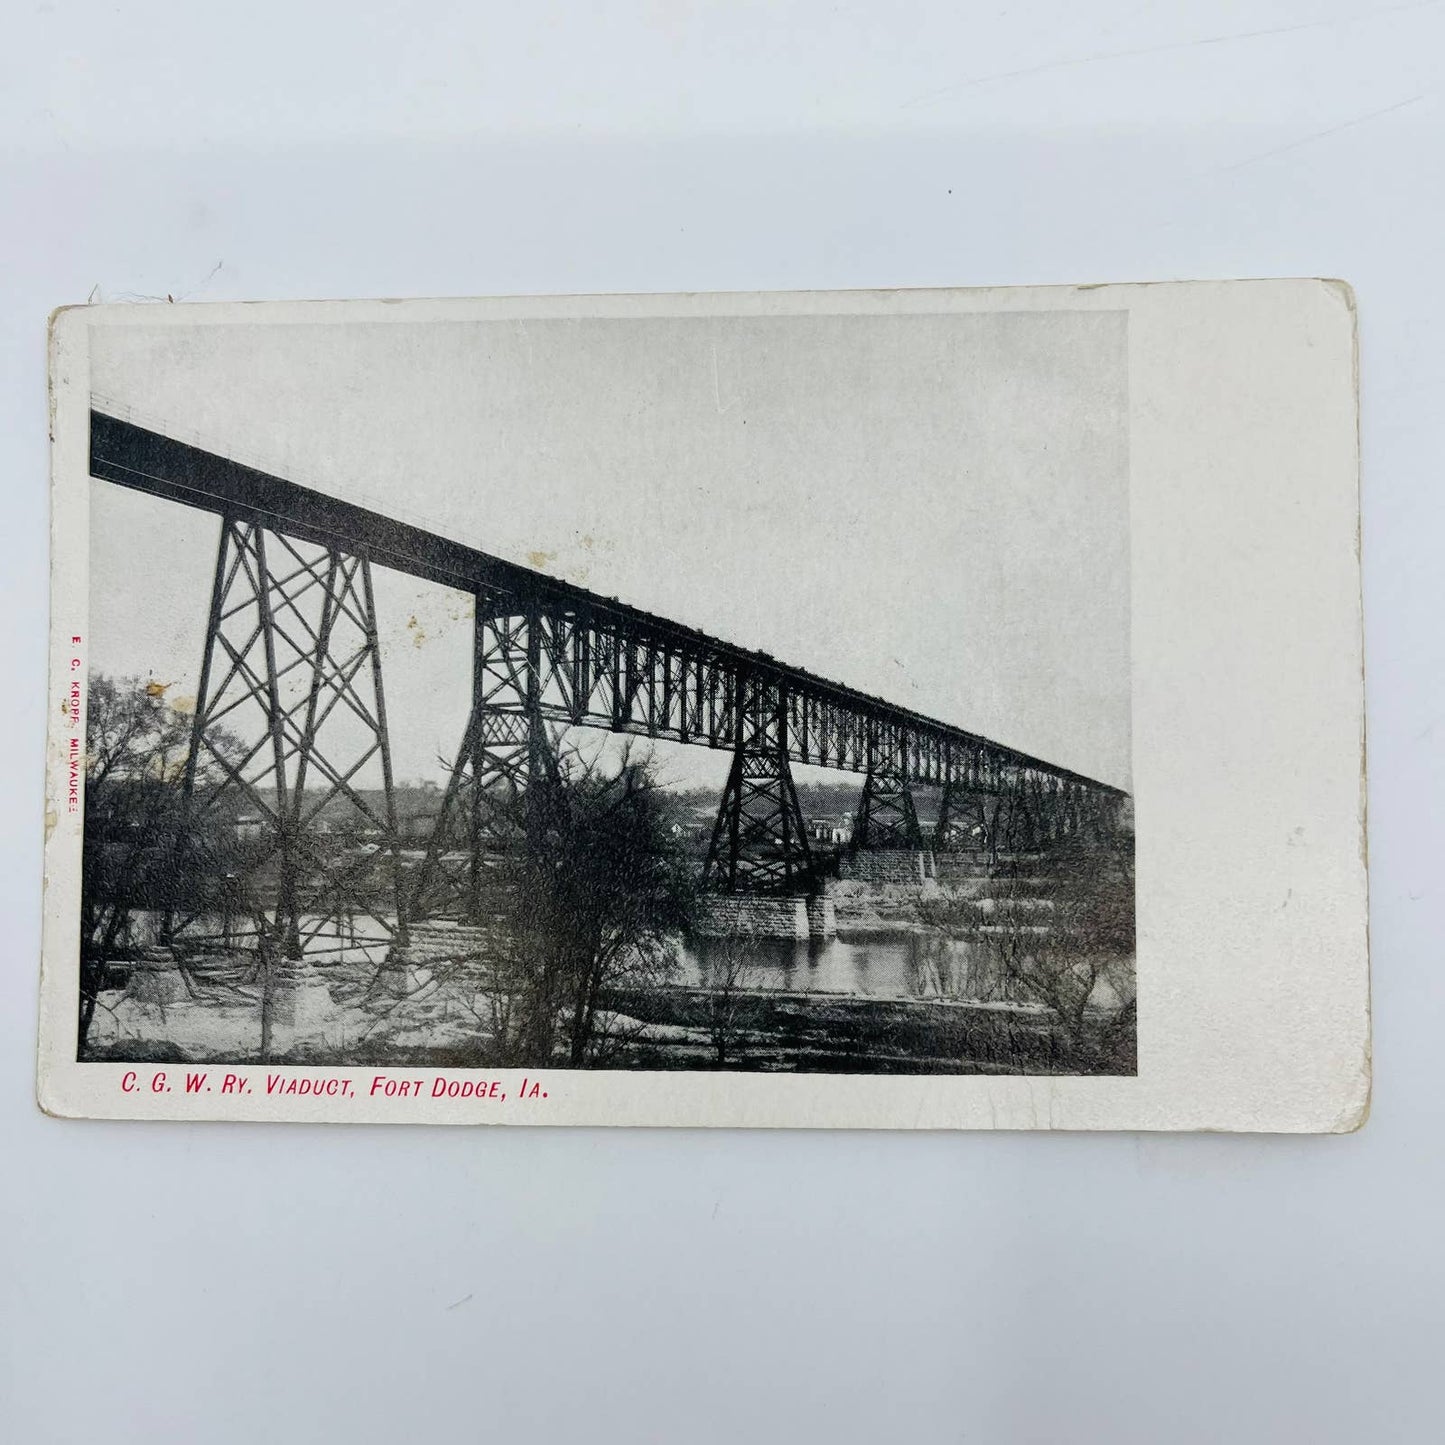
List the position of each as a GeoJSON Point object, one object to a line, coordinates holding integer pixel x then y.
{"type": "Point", "coordinates": [731, 976]}
{"type": "Point", "coordinates": [1086, 939]}
{"type": "Point", "coordinates": [1062, 939]}
{"type": "Point", "coordinates": [136, 745]}
{"type": "Point", "coordinates": [592, 897]}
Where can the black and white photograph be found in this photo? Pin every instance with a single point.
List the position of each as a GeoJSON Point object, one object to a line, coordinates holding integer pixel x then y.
{"type": "Point", "coordinates": [730, 692]}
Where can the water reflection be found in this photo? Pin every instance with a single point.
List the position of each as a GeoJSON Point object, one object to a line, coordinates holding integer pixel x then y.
{"type": "Point", "coordinates": [903, 965]}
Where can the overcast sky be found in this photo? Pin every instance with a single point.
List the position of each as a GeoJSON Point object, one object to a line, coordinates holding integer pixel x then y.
{"type": "Point", "coordinates": [933, 508]}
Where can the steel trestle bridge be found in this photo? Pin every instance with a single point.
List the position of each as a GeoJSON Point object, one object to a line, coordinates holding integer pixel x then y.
{"type": "Point", "coordinates": [291, 708]}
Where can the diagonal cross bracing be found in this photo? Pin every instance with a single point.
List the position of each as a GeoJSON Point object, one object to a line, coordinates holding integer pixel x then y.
{"type": "Point", "coordinates": [616, 666]}
{"type": "Point", "coordinates": [273, 749]}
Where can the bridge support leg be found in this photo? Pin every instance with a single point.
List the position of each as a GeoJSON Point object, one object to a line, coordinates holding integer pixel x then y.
{"type": "Point", "coordinates": [886, 815]}
{"type": "Point", "coordinates": [289, 712]}
{"type": "Point", "coordinates": [759, 843]}
{"type": "Point", "coordinates": [962, 820]}
{"type": "Point", "coordinates": [505, 774]}
{"type": "Point", "coordinates": [1015, 825]}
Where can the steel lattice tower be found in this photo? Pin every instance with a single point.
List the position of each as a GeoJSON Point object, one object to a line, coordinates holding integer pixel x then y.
{"type": "Point", "coordinates": [289, 712]}
{"type": "Point", "coordinates": [496, 798]}
{"type": "Point", "coordinates": [886, 815]}
{"type": "Point", "coordinates": [759, 843]}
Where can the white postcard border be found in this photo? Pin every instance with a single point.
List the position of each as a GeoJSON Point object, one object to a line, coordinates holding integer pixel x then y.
{"type": "Point", "coordinates": [1248, 740]}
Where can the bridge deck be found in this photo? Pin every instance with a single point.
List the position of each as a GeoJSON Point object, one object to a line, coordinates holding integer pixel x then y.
{"type": "Point", "coordinates": [608, 664]}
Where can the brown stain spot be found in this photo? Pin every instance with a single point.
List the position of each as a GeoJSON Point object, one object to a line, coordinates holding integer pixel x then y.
{"type": "Point", "coordinates": [185, 703]}
{"type": "Point", "coordinates": [418, 634]}
{"type": "Point", "coordinates": [51, 819]}
{"type": "Point", "coordinates": [540, 559]}
{"type": "Point", "coordinates": [156, 689]}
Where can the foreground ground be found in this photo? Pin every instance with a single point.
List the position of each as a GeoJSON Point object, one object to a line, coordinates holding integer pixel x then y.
{"type": "Point", "coordinates": [656, 1028]}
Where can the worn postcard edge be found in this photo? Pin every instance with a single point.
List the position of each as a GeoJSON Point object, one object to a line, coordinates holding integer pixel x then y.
{"type": "Point", "coordinates": [1312, 1075]}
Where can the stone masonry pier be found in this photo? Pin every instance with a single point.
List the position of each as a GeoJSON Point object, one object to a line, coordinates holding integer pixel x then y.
{"type": "Point", "coordinates": [795, 918]}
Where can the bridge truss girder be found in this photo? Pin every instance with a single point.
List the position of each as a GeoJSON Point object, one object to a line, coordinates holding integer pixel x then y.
{"type": "Point", "coordinates": [596, 662]}
{"type": "Point", "coordinates": [1022, 811]}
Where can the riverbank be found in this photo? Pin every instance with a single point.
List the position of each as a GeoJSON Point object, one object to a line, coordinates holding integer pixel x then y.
{"type": "Point", "coordinates": [915, 980]}
{"type": "Point", "coordinates": [673, 1028]}
{"type": "Point", "coordinates": [811, 1032]}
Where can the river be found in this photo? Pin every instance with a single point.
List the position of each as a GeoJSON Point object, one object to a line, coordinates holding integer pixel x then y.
{"type": "Point", "coordinates": [901, 965]}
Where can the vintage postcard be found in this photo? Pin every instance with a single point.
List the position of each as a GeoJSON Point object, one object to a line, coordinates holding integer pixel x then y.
{"type": "Point", "coordinates": [924, 709]}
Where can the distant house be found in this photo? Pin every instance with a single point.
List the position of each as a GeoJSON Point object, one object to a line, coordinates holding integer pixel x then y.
{"type": "Point", "coordinates": [963, 833]}
{"type": "Point", "coordinates": [834, 830]}
{"type": "Point", "coordinates": [249, 827]}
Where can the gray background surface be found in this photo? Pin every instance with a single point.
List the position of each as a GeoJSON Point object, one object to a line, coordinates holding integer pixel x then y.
{"type": "Point", "coordinates": [235, 1283]}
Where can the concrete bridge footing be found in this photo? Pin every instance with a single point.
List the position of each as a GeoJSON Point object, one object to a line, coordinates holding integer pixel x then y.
{"type": "Point", "coordinates": [798, 918]}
